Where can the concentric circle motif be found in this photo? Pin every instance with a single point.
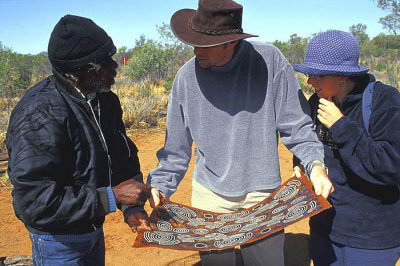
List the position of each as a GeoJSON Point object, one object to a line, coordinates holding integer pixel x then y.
{"type": "Point", "coordinates": [296, 183]}
{"type": "Point", "coordinates": [286, 193]}
{"type": "Point", "coordinates": [180, 230]}
{"type": "Point", "coordinates": [245, 219]}
{"type": "Point", "coordinates": [201, 245]}
{"type": "Point", "coordinates": [163, 238]}
{"type": "Point", "coordinates": [313, 206]}
{"type": "Point", "coordinates": [269, 206]}
{"type": "Point", "coordinates": [257, 219]}
{"type": "Point", "coordinates": [200, 231]}
{"type": "Point", "coordinates": [229, 228]}
{"type": "Point", "coordinates": [233, 240]}
{"type": "Point", "coordinates": [164, 226]}
{"type": "Point", "coordinates": [297, 200]}
{"type": "Point", "coordinates": [275, 220]}
{"type": "Point", "coordinates": [257, 207]}
{"type": "Point", "coordinates": [201, 222]}
{"type": "Point", "coordinates": [208, 216]}
{"type": "Point", "coordinates": [249, 227]}
{"type": "Point", "coordinates": [295, 212]}
{"type": "Point", "coordinates": [251, 219]}
{"type": "Point", "coordinates": [266, 230]}
{"type": "Point", "coordinates": [227, 217]}
{"type": "Point", "coordinates": [279, 209]}
{"type": "Point", "coordinates": [182, 212]}
{"type": "Point", "coordinates": [169, 206]}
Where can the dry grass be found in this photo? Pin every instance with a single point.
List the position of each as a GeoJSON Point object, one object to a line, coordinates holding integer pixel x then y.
{"type": "Point", "coordinates": [5, 181]}
{"type": "Point", "coordinates": [6, 107]}
{"type": "Point", "coordinates": [307, 88]}
{"type": "Point", "coordinates": [386, 71]}
{"type": "Point", "coordinates": [144, 105]}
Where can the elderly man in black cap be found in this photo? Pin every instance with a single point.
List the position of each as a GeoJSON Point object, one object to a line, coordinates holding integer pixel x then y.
{"type": "Point", "coordinates": [70, 160]}
{"type": "Point", "coordinates": [233, 100]}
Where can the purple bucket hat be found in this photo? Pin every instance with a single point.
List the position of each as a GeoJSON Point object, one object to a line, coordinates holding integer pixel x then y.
{"type": "Point", "coordinates": [333, 53]}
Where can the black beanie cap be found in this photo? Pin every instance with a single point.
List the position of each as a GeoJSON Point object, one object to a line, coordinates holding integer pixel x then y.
{"type": "Point", "coordinates": [77, 41]}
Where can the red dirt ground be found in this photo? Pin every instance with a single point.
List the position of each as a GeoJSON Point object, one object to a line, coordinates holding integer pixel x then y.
{"type": "Point", "coordinates": [14, 239]}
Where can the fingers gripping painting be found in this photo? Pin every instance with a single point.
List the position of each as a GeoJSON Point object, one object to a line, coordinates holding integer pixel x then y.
{"type": "Point", "coordinates": [178, 226]}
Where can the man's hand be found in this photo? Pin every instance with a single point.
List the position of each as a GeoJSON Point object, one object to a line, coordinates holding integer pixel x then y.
{"type": "Point", "coordinates": [156, 195]}
{"type": "Point", "coordinates": [320, 180]}
{"type": "Point", "coordinates": [297, 171]}
{"type": "Point", "coordinates": [328, 113]}
{"type": "Point", "coordinates": [132, 192]}
{"type": "Point", "coordinates": [138, 222]}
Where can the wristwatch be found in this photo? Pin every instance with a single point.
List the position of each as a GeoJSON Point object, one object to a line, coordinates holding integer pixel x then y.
{"type": "Point", "coordinates": [318, 164]}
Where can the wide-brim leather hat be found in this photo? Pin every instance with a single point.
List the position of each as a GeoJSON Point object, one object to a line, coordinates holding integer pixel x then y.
{"type": "Point", "coordinates": [333, 52]}
{"type": "Point", "coordinates": [215, 22]}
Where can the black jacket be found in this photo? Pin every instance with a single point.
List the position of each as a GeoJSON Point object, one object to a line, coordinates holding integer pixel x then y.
{"type": "Point", "coordinates": [60, 161]}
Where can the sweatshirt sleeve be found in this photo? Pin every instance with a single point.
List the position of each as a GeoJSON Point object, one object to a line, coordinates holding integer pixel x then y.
{"type": "Point", "coordinates": [38, 148]}
{"type": "Point", "coordinates": [374, 158]}
{"type": "Point", "coordinates": [175, 156]}
{"type": "Point", "coordinates": [293, 119]}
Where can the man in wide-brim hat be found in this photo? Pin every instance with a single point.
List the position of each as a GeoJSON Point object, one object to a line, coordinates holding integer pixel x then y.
{"type": "Point", "coordinates": [232, 100]}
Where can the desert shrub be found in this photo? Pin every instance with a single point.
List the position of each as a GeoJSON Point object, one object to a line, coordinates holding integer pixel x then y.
{"type": "Point", "coordinates": [380, 67]}
{"type": "Point", "coordinates": [144, 105]}
{"type": "Point", "coordinates": [306, 88]}
{"type": "Point", "coordinates": [5, 180]}
{"type": "Point", "coordinates": [7, 104]}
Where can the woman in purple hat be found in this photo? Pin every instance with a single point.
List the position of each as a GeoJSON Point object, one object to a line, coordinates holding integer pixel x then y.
{"type": "Point", "coordinates": [362, 153]}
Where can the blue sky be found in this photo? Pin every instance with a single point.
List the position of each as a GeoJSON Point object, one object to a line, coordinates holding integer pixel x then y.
{"type": "Point", "coordinates": [25, 25]}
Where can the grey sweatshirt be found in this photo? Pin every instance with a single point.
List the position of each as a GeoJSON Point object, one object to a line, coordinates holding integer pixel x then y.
{"type": "Point", "coordinates": [234, 114]}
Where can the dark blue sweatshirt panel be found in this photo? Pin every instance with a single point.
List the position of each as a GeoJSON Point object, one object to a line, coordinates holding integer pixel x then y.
{"type": "Point", "coordinates": [365, 172]}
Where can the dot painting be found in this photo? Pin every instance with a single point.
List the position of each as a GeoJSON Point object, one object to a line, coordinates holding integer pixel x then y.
{"type": "Point", "coordinates": [178, 226]}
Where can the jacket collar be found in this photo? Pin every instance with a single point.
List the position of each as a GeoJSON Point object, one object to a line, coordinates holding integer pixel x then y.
{"type": "Point", "coordinates": [65, 86]}
{"type": "Point", "coordinates": [356, 94]}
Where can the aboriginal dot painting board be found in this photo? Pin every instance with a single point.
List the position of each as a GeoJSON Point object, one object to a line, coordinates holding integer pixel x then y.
{"type": "Point", "coordinates": [178, 226]}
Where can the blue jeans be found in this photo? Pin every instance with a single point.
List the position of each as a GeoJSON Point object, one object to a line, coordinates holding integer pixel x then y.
{"type": "Point", "coordinates": [84, 249]}
{"type": "Point", "coordinates": [324, 252]}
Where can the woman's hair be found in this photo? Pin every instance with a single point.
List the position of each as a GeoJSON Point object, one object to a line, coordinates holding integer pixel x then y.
{"type": "Point", "coordinates": [360, 81]}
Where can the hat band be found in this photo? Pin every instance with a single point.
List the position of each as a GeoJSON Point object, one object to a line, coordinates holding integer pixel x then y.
{"type": "Point", "coordinates": [214, 32]}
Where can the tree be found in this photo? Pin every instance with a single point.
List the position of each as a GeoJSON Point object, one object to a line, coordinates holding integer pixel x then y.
{"type": "Point", "coordinates": [147, 62]}
{"type": "Point", "coordinates": [282, 46]}
{"type": "Point", "coordinates": [359, 32]}
{"type": "Point", "coordinates": [294, 50]}
{"type": "Point", "coordinates": [176, 53]}
{"type": "Point", "coordinates": [392, 21]}
{"type": "Point", "coordinates": [19, 71]}
{"type": "Point", "coordinates": [297, 49]}
{"type": "Point", "coordinates": [154, 61]}
{"type": "Point", "coordinates": [383, 46]}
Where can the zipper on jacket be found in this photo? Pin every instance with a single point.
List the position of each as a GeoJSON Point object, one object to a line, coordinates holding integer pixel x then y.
{"type": "Point", "coordinates": [102, 136]}
{"type": "Point", "coordinates": [126, 142]}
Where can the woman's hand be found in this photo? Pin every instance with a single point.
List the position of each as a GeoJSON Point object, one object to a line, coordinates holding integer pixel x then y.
{"type": "Point", "coordinates": [328, 113]}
